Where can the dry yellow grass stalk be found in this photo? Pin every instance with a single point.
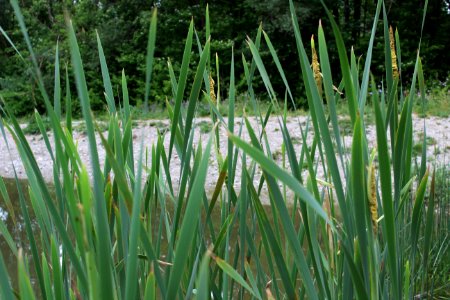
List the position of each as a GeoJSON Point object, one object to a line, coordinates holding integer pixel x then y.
{"type": "Point", "coordinates": [393, 53]}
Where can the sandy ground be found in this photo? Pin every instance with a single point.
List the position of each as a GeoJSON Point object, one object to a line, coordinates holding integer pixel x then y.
{"type": "Point", "coordinates": [438, 131]}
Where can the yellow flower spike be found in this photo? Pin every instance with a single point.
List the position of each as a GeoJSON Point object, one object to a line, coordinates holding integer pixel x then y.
{"type": "Point", "coordinates": [393, 53]}
{"type": "Point", "coordinates": [372, 188]}
{"type": "Point", "coordinates": [212, 93]}
{"type": "Point", "coordinates": [316, 66]}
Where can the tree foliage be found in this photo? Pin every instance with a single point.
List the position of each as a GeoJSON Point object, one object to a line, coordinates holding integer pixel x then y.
{"type": "Point", "coordinates": [122, 27]}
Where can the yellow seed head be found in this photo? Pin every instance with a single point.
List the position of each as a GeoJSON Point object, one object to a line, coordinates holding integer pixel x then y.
{"type": "Point", "coordinates": [393, 53]}
{"type": "Point", "coordinates": [373, 205]}
{"type": "Point", "coordinates": [212, 93]}
{"type": "Point", "coordinates": [316, 66]}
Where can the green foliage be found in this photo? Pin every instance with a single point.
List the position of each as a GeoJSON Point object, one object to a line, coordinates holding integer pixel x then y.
{"type": "Point", "coordinates": [436, 101]}
{"type": "Point", "coordinates": [122, 27]}
{"type": "Point", "coordinates": [360, 229]}
{"type": "Point", "coordinates": [33, 128]}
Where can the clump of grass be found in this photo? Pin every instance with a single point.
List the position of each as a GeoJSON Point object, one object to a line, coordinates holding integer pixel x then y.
{"type": "Point", "coordinates": [204, 126]}
{"type": "Point", "coordinates": [119, 239]}
{"type": "Point", "coordinates": [100, 125]}
{"type": "Point", "coordinates": [33, 127]}
{"type": "Point", "coordinates": [418, 147]}
{"type": "Point", "coordinates": [161, 126]}
{"type": "Point", "coordinates": [435, 102]}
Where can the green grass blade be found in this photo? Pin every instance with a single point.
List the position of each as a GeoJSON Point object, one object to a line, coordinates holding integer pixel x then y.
{"type": "Point", "coordinates": [148, 248]}
{"type": "Point", "coordinates": [47, 280]}
{"type": "Point", "coordinates": [233, 274]}
{"type": "Point", "coordinates": [270, 242]}
{"type": "Point", "coordinates": [366, 74]}
{"type": "Point", "coordinates": [187, 229]}
{"type": "Point", "coordinates": [57, 86]}
{"type": "Point", "coordinates": [328, 87]}
{"type": "Point", "coordinates": [11, 42]}
{"type": "Point", "coordinates": [202, 283]}
{"type": "Point", "coordinates": [417, 217]}
{"type": "Point", "coordinates": [8, 238]}
{"type": "Point", "coordinates": [428, 228]}
{"type": "Point", "coordinates": [56, 267]}
{"type": "Point", "coordinates": [132, 265]}
{"type": "Point", "coordinates": [195, 92]}
{"type": "Point", "coordinates": [356, 276]}
{"type": "Point", "coordinates": [262, 70]}
{"type": "Point", "coordinates": [173, 80]}
{"type": "Point", "coordinates": [149, 57]}
{"type": "Point", "coordinates": [345, 68]}
{"type": "Point", "coordinates": [103, 234]}
{"type": "Point", "coordinates": [231, 108]}
{"type": "Point", "coordinates": [31, 240]}
{"type": "Point", "coordinates": [6, 289]}
{"type": "Point", "coordinates": [106, 78]}
{"type": "Point", "coordinates": [125, 97]}
{"type": "Point", "coordinates": [26, 291]}
{"type": "Point", "coordinates": [279, 67]}
{"type": "Point", "coordinates": [68, 103]}
{"type": "Point", "coordinates": [40, 185]}
{"type": "Point", "coordinates": [407, 282]}
{"type": "Point", "coordinates": [5, 197]}
{"type": "Point", "coordinates": [359, 195]}
{"type": "Point", "coordinates": [386, 197]}
{"type": "Point", "coordinates": [150, 288]}
{"type": "Point", "coordinates": [181, 86]}
{"type": "Point", "coordinates": [273, 169]}
{"type": "Point", "coordinates": [319, 119]}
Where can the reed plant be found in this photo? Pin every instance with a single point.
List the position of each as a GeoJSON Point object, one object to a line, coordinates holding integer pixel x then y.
{"type": "Point", "coordinates": [127, 227]}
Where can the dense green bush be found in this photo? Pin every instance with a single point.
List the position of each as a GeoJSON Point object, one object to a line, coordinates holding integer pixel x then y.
{"type": "Point", "coordinates": [122, 26]}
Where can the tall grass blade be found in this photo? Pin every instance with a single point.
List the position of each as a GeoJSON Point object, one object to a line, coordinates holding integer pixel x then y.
{"type": "Point", "coordinates": [428, 233]}
{"type": "Point", "coordinates": [273, 169]}
{"type": "Point", "coordinates": [25, 288]}
{"type": "Point", "coordinates": [103, 233]}
{"type": "Point", "coordinates": [132, 265]}
{"type": "Point", "coordinates": [345, 67]}
{"type": "Point", "coordinates": [68, 101]}
{"type": "Point", "coordinates": [416, 218]}
{"type": "Point", "coordinates": [149, 57]}
{"type": "Point", "coordinates": [195, 92]}
{"type": "Point", "coordinates": [181, 86]}
{"type": "Point", "coordinates": [366, 74]}
{"type": "Point", "coordinates": [188, 228]}
{"type": "Point", "coordinates": [57, 86]}
{"type": "Point", "coordinates": [6, 289]}
{"type": "Point", "coordinates": [387, 199]}
{"type": "Point", "coordinates": [233, 274]}
{"type": "Point", "coordinates": [150, 287]}
{"type": "Point", "coordinates": [106, 78]}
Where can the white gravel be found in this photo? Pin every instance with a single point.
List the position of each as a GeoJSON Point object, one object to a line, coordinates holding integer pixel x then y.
{"type": "Point", "coordinates": [437, 130]}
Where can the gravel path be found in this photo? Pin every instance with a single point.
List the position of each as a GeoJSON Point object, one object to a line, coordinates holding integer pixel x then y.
{"type": "Point", "coordinates": [437, 130]}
